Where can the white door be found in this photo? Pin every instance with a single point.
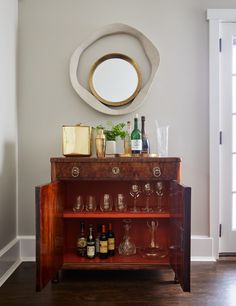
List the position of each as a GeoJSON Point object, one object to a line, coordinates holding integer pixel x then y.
{"type": "Point", "coordinates": [228, 143]}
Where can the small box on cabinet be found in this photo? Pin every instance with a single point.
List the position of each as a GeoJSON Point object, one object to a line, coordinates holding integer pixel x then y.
{"type": "Point", "coordinates": [77, 140]}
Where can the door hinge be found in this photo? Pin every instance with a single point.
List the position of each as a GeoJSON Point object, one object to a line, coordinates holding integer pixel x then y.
{"type": "Point", "coordinates": [220, 229]}
{"type": "Point", "coordinates": [220, 45]}
{"type": "Point", "coordinates": [220, 138]}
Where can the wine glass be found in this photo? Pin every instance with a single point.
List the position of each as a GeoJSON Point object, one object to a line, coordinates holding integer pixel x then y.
{"type": "Point", "coordinates": [159, 192]}
{"type": "Point", "coordinates": [148, 191]}
{"type": "Point", "coordinates": [135, 192]}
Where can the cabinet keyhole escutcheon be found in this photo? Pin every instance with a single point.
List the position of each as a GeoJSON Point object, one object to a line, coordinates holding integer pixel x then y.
{"type": "Point", "coordinates": [156, 171]}
{"type": "Point", "coordinates": [115, 170]}
{"type": "Point", "coordinates": [75, 172]}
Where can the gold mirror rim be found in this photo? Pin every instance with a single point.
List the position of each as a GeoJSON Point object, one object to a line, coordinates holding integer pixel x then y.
{"type": "Point", "coordinates": [101, 60]}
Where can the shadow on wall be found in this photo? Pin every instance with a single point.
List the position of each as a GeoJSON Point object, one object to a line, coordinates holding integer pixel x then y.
{"type": "Point", "coordinates": [7, 193]}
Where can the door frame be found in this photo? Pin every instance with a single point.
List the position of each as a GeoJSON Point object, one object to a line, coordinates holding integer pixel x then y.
{"type": "Point", "coordinates": [215, 17]}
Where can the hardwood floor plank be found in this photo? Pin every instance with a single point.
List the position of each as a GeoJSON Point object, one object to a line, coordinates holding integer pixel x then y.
{"type": "Point", "coordinates": [212, 284]}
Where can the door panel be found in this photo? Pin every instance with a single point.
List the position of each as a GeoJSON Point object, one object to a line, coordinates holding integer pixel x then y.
{"type": "Point", "coordinates": [49, 232]}
{"type": "Point", "coordinates": [179, 238]}
{"type": "Point", "coordinates": [228, 144]}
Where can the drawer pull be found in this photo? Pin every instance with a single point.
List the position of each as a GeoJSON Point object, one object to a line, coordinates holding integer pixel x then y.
{"type": "Point", "coordinates": [115, 170]}
{"type": "Point", "coordinates": [156, 171]}
{"type": "Point", "coordinates": [75, 172]}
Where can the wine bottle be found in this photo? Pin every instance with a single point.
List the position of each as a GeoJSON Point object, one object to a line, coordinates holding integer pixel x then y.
{"type": "Point", "coordinates": [81, 242]}
{"type": "Point", "coordinates": [111, 241]}
{"type": "Point", "coordinates": [99, 230]}
{"type": "Point", "coordinates": [136, 138]}
{"type": "Point", "coordinates": [127, 140]}
{"type": "Point", "coordinates": [103, 250]}
{"type": "Point", "coordinates": [145, 141]}
{"type": "Point", "coordinates": [91, 250]}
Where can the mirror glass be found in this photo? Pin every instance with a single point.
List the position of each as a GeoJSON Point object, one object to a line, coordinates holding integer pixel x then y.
{"type": "Point", "coordinates": [115, 79]}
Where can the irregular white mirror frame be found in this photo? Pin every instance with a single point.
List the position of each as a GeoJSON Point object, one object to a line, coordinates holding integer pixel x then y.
{"type": "Point", "coordinates": [150, 51]}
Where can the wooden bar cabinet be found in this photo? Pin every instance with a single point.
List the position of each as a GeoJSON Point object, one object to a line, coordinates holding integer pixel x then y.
{"type": "Point", "coordinates": [58, 226]}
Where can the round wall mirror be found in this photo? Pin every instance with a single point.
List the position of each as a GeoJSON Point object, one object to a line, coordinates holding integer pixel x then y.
{"type": "Point", "coordinates": [115, 79]}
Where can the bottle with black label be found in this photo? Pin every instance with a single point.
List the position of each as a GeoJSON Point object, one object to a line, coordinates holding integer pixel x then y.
{"type": "Point", "coordinates": [99, 230]}
{"type": "Point", "coordinates": [91, 249]}
{"type": "Point", "coordinates": [103, 250]}
{"type": "Point", "coordinates": [136, 138]}
{"type": "Point", "coordinates": [145, 141]}
{"type": "Point", "coordinates": [81, 242]}
{"type": "Point", "coordinates": [111, 241]}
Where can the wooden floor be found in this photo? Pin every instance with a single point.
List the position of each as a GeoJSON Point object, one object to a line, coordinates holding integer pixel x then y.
{"type": "Point", "coordinates": [213, 284]}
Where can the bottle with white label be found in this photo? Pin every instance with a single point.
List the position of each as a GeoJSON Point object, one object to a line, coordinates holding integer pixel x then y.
{"type": "Point", "coordinates": [136, 138]}
{"type": "Point", "coordinates": [91, 245]}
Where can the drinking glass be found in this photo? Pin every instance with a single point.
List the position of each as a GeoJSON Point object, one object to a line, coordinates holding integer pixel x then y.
{"type": "Point", "coordinates": [162, 140]}
{"type": "Point", "coordinates": [135, 192]}
{"type": "Point", "coordinates": [79, 205]}
{"type": "Point", "coordinates": [120, 202]}
{"type": "Point", "coordinates": [148, 191]}
{"type": "Point", "coordinates": [91, 203]}
{"type": "Point", "coordinates": [106, 202]}
{"type": "Point", "coordinates": [159, 192]}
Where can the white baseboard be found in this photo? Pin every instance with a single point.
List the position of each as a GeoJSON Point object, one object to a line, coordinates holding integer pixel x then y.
{"type": "Point", "coordinates": [202, 248]}
{"type": "Point", "coordinates": [9, 259]}
{"type": "Point", "coordinates": [22, 248]}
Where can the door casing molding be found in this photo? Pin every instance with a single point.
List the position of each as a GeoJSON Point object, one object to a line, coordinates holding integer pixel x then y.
{"type": "Point", "coordinates": [215, 17]}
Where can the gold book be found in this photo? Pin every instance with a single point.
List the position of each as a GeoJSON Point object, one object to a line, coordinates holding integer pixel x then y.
{"type": "Point", "coordinates": [77, 140]}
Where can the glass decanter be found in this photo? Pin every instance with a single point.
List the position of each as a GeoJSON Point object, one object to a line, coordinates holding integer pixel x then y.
{"type": "Point", "coordinates": [148, 191]}
{"type": "Point", "coordinates": [152, 249]}
{"type": "Point", "coordinates": [135, 192]}
{"type": "Point", "coordinates": [127, 246]}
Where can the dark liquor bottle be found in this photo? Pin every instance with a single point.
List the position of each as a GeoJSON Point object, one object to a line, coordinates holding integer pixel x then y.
{"type": "Point", "coordinates": [99, 230]}
{"type": "Point", "coordinates": [91, 249]}
{"type": "Point", "coordinates": [136, 138]}
{"type": "Point", "coordinates": [111, 241]}
{"type": "Point", "coordinates": [103, 250]}
{"type": "Point", "coordinates": [81, 242]}
{"type": "Point", "coordinates": [145, 141]}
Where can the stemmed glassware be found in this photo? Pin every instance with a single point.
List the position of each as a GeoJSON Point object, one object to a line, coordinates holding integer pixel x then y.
{"type": "Point", "coordinates": [148, 191]}
{"type": "Point", "coordinates": [159, 189]}
{"type": "Point", "coordinates": [135, 192]}
{"type": "Point", "coordinates": [127, 246]}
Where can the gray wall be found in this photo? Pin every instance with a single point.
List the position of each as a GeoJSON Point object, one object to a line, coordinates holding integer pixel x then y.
{"type": "Point", "coordinates": [8, 122]}
{"type": "Point", "coordinates": [50, 30]}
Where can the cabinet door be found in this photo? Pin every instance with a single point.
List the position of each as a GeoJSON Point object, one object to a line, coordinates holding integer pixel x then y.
{"type": "Point", "coordinates": [49, 232]}
{"type": "Point", "coordinates": [180, 220]}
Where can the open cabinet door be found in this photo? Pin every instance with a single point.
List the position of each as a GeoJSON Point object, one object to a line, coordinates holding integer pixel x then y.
{"type": "Point", "coordinates": [49, 232]}
{"type": "Point", "coordinates": [180, 228]}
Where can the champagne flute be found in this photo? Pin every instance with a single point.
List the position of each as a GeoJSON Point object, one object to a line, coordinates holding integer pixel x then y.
{"type": "Point", "coordinates": [159, 192]}
{"type": "Point", "coordinates": [148, 191]}
{"type": "Point", "coordinates": [135, 192]}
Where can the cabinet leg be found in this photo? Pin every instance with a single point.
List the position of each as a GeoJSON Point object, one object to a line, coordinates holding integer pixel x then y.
{"type": "Point", "coordinates": [176, 279]}
{"type": "Point", "coordinates": [56, 278]}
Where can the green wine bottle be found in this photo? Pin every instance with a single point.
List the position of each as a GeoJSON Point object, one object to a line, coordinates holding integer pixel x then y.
{"type": "Point", "coordinates": [136, 138]}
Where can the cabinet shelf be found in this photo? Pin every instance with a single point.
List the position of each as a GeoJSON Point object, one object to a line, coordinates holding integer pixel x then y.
{"type": "Point", "coordinates": [116, 262]}
{"type": "Point", "coordinates": [69, 214]}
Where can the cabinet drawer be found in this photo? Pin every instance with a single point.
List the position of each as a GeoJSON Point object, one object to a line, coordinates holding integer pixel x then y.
{"type": "Point", "coordinates": [115, 170]}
